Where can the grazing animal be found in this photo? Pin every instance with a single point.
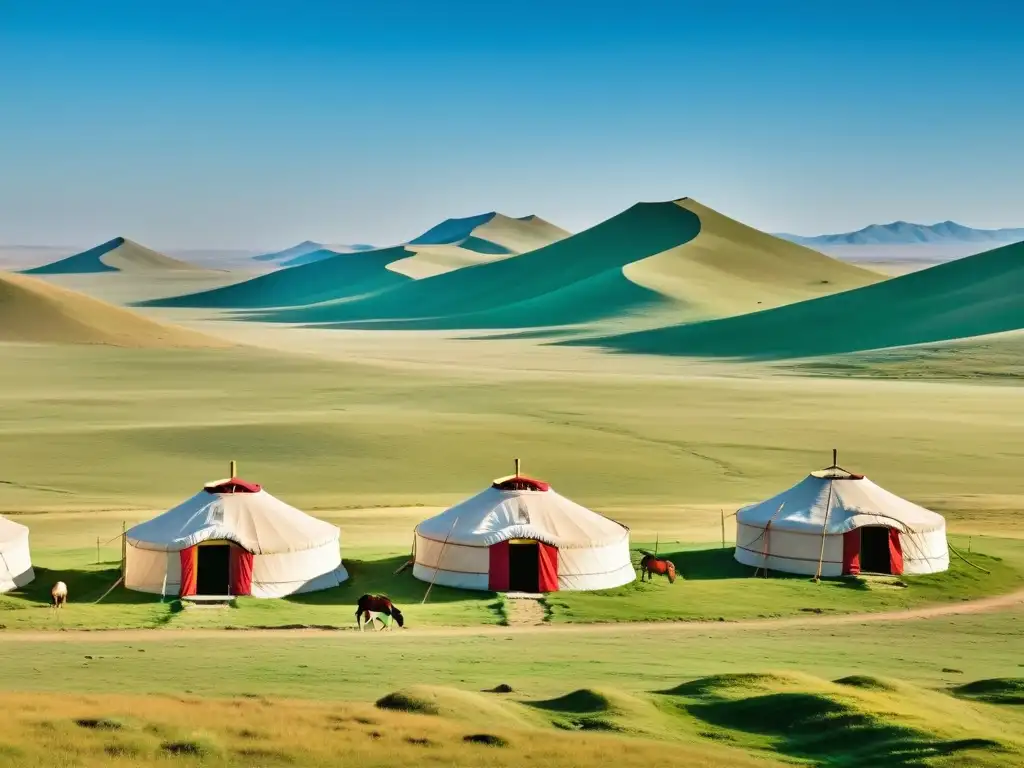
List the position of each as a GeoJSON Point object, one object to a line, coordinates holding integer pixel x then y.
{"type": "Point", "coordinates": [58, 596]}
{"type": "Point", "coordinates": [370, 608]}
{"type": "Point", "coordinates": [650, 565]}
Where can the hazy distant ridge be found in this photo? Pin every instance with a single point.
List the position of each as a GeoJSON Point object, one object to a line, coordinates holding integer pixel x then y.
{"type": "Point", "coordinates": [908, 233]}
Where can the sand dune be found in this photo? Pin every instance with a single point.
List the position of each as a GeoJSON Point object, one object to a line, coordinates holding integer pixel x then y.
{"type": "Point", "coordinates": [970, 297]}
{"type": "Point", "coordinates": [32, 310]}
{"type": "Point", "coordinates": [678, 257]}
{"type": "Point", "coordinates": [321, 276]}
{"type": "Point", "coordinates": [117, 255]}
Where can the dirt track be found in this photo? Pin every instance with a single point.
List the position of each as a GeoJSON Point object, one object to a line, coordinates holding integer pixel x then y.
{"type": "Point", "coordinates": [985, 605]}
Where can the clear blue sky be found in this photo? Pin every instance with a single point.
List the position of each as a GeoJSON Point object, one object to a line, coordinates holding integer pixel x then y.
{"type": "Point", "coordinates": [258, 124]}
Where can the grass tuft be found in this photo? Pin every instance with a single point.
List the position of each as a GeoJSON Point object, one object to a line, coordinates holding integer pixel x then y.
{"type": "Point", "coordinates": [488, 739]}
{"type": "Point", "coordinates": [402, 701]}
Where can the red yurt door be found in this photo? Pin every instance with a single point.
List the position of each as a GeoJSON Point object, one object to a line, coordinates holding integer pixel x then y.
{"type": "Point", "coordinates": [523, 565]}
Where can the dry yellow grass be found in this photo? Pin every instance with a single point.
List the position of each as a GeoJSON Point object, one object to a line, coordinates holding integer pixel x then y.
{"type": "Point", "coordinates": [87, 731]}
{"type": "Point", "coordinates": [35, 311]}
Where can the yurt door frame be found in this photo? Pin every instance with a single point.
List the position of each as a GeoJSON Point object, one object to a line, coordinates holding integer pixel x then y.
{"type": "Point", "coordinates": [216, 568]}
{"type": "Point", "coordinates": [213, 568]}
{"type": "Point", "coordinates": [523, 565]}
{"type": "Point", "coordinates": [872, 549]}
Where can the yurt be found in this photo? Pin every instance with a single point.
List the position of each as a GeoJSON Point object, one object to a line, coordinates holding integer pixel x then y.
{"type": "Point", "coordinates": [837, 523]}
{"type": "Point", "coordinates": [519, 535]}
{"type": "Point", "coordinates": [15, 560]}
{"type": "Point", "coordinates": [233, 538]}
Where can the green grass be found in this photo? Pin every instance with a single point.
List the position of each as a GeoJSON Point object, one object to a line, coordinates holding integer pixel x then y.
{"type": "Point", "coordinates": [99, 428]}
{"type": "Point", "coordinates": [709, 581]}
{"type": "Point", "coordinates": [28, 608]}
{"type": "Point", "coordinates": [996, 691]}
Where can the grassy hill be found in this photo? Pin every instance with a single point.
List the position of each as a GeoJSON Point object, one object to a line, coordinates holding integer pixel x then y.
{"type": "Point", "coordinates": [34, 311]}
{"type": "Point", "coordinates": [677, 256]}
{"type": "Point", "coordinates": [322, 275]}
{"type": "Point", "coordinates": [969, 297]}
{"type": "Point", "coordinates": [117, 255]}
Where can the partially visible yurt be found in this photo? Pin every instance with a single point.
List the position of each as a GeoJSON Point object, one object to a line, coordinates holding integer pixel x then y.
{"type": "Point", "coordinates": [233, 538]}
{"type": "Point", "coordinates": [837, 523]}
{"type": "Point", "coordinates": [520, 535]}
{"type": "Point", "coordinates": [15, 560]}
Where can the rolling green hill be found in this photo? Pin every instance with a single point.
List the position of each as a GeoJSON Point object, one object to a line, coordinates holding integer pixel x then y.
{"type": "Point", "coordinates": [969, 297]}
{"type": "Point", "coordinates": [676, 256]}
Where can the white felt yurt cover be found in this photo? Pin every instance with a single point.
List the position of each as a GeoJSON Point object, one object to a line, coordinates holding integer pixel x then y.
{"type": "Point", "coordinates": [830, 503]}
{"type": "Point", "coordinates": [15, 560]}
{"type": "Point", "coordinates": [593, 551]}
{"type": "Point", "coordinates": [293, 552]}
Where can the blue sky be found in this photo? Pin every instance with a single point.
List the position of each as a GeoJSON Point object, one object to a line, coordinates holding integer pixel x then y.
{"type": "Point", "coordinates": [258, 124]}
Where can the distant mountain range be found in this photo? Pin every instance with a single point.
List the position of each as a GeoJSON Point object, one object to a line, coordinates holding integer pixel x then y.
{"type": "Point", "coordinates": [908, 233]}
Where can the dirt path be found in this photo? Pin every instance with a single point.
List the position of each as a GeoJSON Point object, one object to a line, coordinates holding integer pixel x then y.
{"type": "Point", "coordinates": [984, 605]}
{"type": "Point", "coordinates": [525, 612]}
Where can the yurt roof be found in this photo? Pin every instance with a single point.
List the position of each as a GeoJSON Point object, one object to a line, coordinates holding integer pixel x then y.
{"type": "Point", "coordinates": [838, 501]}
{"type": "Point", "coordinates": [501, 512]}
{"type": "Point", "coordinates": [234, 510]}
{"type": "Point", "coordinates": [11, 532]}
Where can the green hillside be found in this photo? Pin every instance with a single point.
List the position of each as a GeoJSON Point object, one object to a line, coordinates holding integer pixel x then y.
{"type": "Point", "coordinates": [676, 257]}
{"type": "Point", "coordinates": [972, 296]}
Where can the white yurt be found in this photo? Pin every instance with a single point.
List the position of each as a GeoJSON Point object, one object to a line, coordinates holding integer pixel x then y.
{"type": "Point", "coordinates": [233, 538]}
{"type": "Point", "coordinates": [15, 560]}
{"type": "Point", "coordinates": [837, 523]}
{"type": "Point", "coordinates": [519, 535]}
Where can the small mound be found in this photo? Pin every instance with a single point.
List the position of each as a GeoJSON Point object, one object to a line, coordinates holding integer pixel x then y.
{"type": "Point", "coordinates": [582, 701]}
{"type": "Point", "coordinates": [404, 701]}
{"type": "Point", "coordinates": [487, 739]}
{"type": "Point", "coordinates": [500, 688]}
{"type": "Point", "coordinates": [999, 690]}
{"type": "Point", "coordinates": [117, 255]}
{"type": "Point", "coordinates": [35, 311]}
{"type": "Point", "coordinates": [745, 682]}
{"type": "Point", "coordinates": [867, 683]}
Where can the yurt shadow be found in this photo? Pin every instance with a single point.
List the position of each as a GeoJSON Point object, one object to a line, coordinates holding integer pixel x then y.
{"type": "Point", "coordinates": [378, 577]}
{"type": "Point", "coordinates": [84, 586]}
{"type": "Point", "coordinates": [708, 564]}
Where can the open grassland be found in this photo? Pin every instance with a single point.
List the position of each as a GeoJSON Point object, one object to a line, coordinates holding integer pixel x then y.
{"type": "Point", "coordinates": [375, 432]}
{"type": "Point", "coordinates": [101, 428]}
{"type": "Point", "coordinates": [909, 693]}
{"type": "Point", "coordinates": [94, 437]}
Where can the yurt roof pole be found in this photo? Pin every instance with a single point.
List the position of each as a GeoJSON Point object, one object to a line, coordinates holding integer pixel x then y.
{"type": "Point", "coordinates": [824, 530]}
{"type": "Point", "coordinates": [440, 557]}
{"type": "Point", "coordinates": [234, 469]}
{"type": "Point", "coordinates": [517, 467]}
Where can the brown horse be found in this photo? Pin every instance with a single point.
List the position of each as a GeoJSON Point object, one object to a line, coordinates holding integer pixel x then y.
{"type": "Point", "coordinates": [371, 608]}
{"type": "Point", "coordinates": [650, 565]}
